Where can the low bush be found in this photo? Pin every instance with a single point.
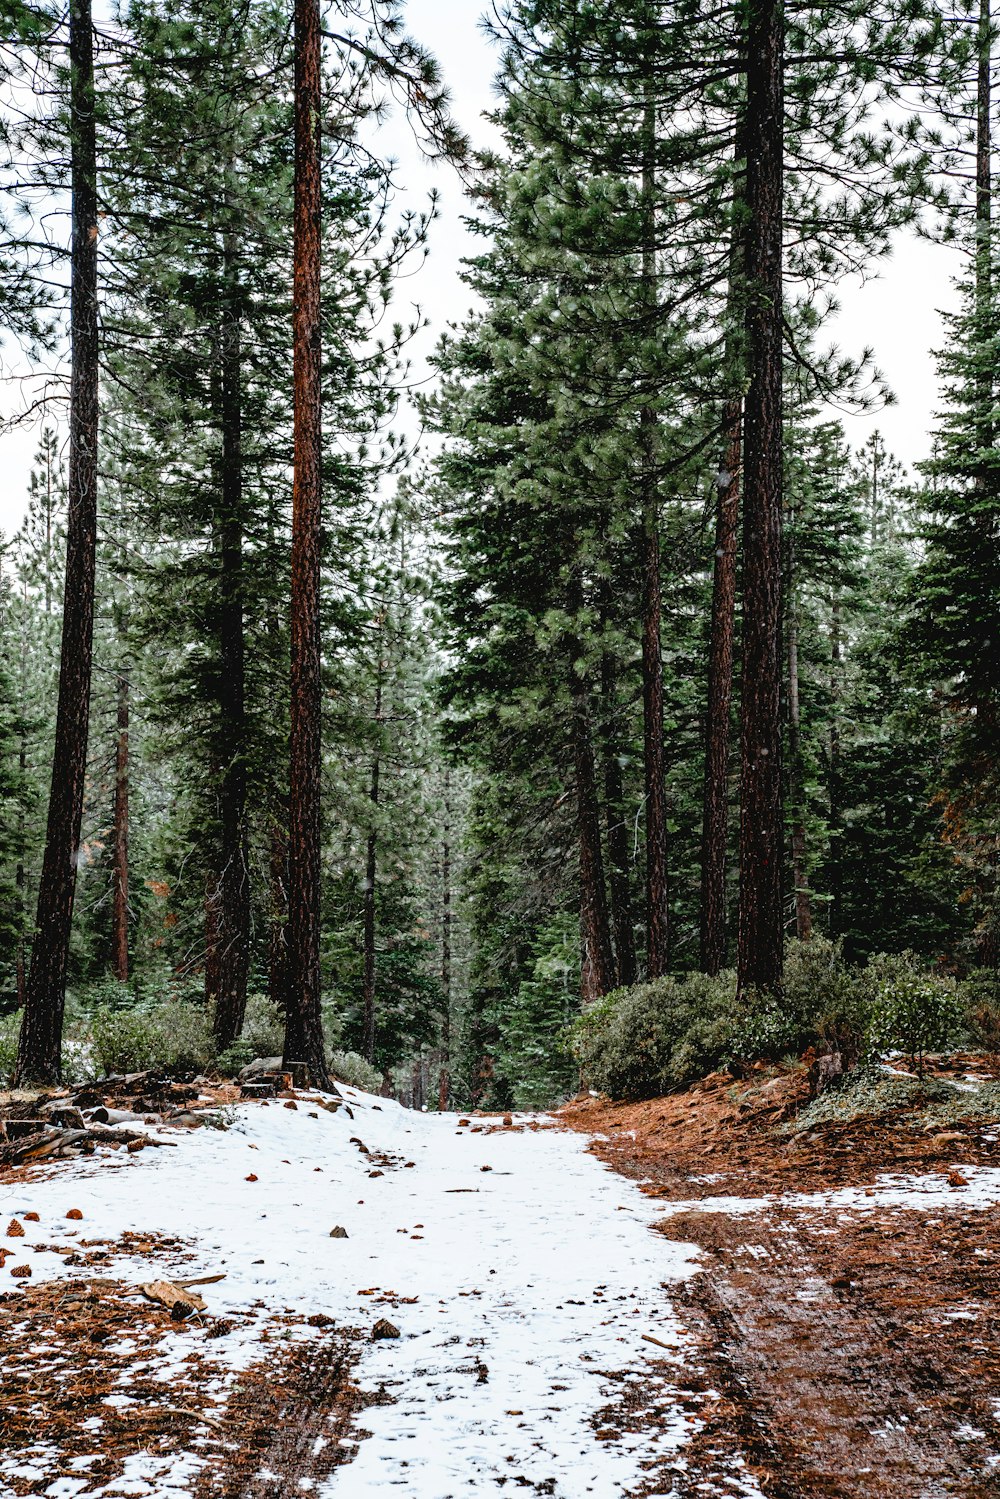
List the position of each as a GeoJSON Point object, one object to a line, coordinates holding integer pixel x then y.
{"type": "Point", "coordinates": [980, 994]}
{"type": "Point", "coordinates": [350, 1068]}
{"type": "Point", "coordinates": [910, 1009]}
{"type": "Point", "coordinates": [10, 1026]}
{"type": "Point", "coordinates": [638, 1042]}
{"type": "Point", "coordinates": [174, 1036]}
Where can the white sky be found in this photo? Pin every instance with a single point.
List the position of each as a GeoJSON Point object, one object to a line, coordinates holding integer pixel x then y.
{"type": "Point", "coordinates": [897, 313]}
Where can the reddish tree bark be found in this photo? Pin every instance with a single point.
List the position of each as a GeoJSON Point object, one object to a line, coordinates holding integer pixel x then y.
{"type": "Point", "coordinates": [304, 1019]}
{"type": "Point", "coordinates": [39, 1048]}
{"type": "Point", "coordinates": [715, 806]}
{"type": "Point", "coordinates": [759, 953]}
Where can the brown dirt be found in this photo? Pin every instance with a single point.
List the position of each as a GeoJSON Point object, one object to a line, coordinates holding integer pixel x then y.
{"type": "Point", "coordinates": [854, 1353]}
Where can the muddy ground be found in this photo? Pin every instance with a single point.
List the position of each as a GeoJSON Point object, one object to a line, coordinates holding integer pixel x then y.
{"type": "Point", "coordinates": [855, 1350]}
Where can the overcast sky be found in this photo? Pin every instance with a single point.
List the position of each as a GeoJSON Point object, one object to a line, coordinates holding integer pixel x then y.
{"type": "Point", "coordinates": [896, 313]}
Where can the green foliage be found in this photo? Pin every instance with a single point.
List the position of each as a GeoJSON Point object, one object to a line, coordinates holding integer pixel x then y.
{"type": "Point", "coordinates": [174, 1036]}
{"type": "Point", "coordinates": [646, 1040]}
{"type": "Point", "coordinates": [980, 994]}
{"type": "Point", "coordinates": [912, 1010]}
{"type": "Point", "coordinates": [351, 1068]}
{"type": "Point", "coordinates": [532, 1050]}
{"type": "Point", "coordinates": [10, 1026]}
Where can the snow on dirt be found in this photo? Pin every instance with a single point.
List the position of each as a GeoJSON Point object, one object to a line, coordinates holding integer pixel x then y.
{"type": "Point", "coordinates": [522, 1274]}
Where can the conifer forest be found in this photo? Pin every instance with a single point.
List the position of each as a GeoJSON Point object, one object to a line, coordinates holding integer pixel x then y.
{"type": "Point", "coordinates": [566, 698]}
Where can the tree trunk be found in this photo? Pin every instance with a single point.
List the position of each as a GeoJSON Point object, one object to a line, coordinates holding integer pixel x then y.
{"type": "Point", "coordinates": [234, 880]}
{"type": "Point", "coordinates": [803, 903]}
{"type": "Point", "coordinates": [759, 956]}
{"type": "Point", "coordinates": [657, 876]}
{"type": "Point", "coordinates": [120, 870]}
{"type": "Point", "coordinates": [833, 783]}
{"type": "Point", "coordinates": [20, 877]}
{"type": "Point", "coordinates": [40, 1043]}
{"type": "Point", "coordinates": [277, 960]}
{"type": "Point", "coordinates": [597, 968]}
{"type": "Point", "coordinates": [304, 1026]}
{"type": "Point", "coordinates": [984, 256]}
{"type": "Point", "coordinates": [368, 968]}
{"type": "Point", "coordinates": [444, 1076]}
{"type": "Point", "coordinates": [212, 944]}
{"type": "Point", "coordinates": [715, 807]}
{"type": "Point", "coordinates": [617, 830]}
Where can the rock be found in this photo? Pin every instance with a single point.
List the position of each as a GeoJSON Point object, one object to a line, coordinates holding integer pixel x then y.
{"type": "Point", "coordinates": [338, 1233]}
{"type": "Point", "coordinates": [257, 1068]}
{"type": "Point", "coordinates": [383, 1329]}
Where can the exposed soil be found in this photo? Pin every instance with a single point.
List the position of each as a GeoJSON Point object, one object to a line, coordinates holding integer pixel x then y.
{"type": "Point", "coordinates": [855, 1352]}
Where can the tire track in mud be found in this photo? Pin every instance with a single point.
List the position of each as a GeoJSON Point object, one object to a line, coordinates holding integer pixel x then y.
{"type": "Point", "coordinates": [290, 1422]}
{"type": "Point", "coordinates": [832, 1390]}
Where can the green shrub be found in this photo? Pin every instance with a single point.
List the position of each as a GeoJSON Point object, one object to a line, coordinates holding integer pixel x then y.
{"type": "Point", "coordinates": [263, 1028]}
{"type": "Point", "coordinates": [350, 1068]}
{"type": "Point", "coordinates": [173, 1037]}
{"type": "Point", "coordinates": [827, 998]}
{"type": "Point", "coordinates": [10, 1026]}
{"type": "Point", "coordinates": [912, 1010]}
{"type": "Point", "coordinates": [980, 994]}
{"type": "Point", "coordinates": [638, 1042]}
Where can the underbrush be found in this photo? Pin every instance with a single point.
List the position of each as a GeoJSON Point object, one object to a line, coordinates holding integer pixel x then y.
{"type": "Point", "coordinates": [877, 1092]}
{"type": "Point", "coordinates": [655, 1038]}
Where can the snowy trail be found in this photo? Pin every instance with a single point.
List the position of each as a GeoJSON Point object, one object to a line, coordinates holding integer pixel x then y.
{"type": "Point", "coordinates": [523, 1275]}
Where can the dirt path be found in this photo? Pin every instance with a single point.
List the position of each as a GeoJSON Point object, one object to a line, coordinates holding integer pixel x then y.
{"type": "Point", "coordinates": [853, 1333]}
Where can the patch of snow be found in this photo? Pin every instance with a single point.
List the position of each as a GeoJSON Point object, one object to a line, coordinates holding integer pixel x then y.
{"type": "Point", "coordinates": [499, 1238]}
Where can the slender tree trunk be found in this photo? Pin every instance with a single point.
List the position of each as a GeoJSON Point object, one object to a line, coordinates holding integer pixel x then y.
{"type": "Point", "coordinates": [803, 903]}
{"type": "Point", "coordinates": [234, 879]}
{"type": "Point", "coordinates": [715, 806]}
{"type": "Point", "coordinates": [617, 830]}
{"type": "Point", "coordinates": [304, 1027]}
{"type": "Point", "coordinates": [277, 962]}
{"type": "Point", "coordinates": [984, 195]}
{"type": "Point", "coordinates": [120, 870]}
{"type": "Point", "coordinates": [444, 1076]}
{"type": "Point", "coordinates": [40, 1043]}
{"type": "Point", "coordinates": [759, 955]}
{"type": "Point", "coordinates": [657, 874]}
{"type": "Point", "coordinates": [833, 782]}
{"type": "Point", "coordinates": [597, 967]}
{"type": "Point", "coordinates": [20, 878]}
{"type": "Point", "coordinates": [371, 869]}
{"type": "Point", "coordinates": [212, 943]}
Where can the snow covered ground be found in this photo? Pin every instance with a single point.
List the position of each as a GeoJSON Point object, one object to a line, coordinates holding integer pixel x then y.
{"type": "Point", "coordinates": [522, 1274]}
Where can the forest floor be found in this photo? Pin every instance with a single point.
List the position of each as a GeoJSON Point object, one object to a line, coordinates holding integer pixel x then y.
{"type": "Point", "coordinates": [668, 1298]}
{"type": "Point", "coordinates": [538, 1347]}
{"type": "Point", "coordinates": [848, 1309]}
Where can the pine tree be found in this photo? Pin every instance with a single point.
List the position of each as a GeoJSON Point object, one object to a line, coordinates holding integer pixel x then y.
{"type": "Point", "coordinates": [39, 1049]}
